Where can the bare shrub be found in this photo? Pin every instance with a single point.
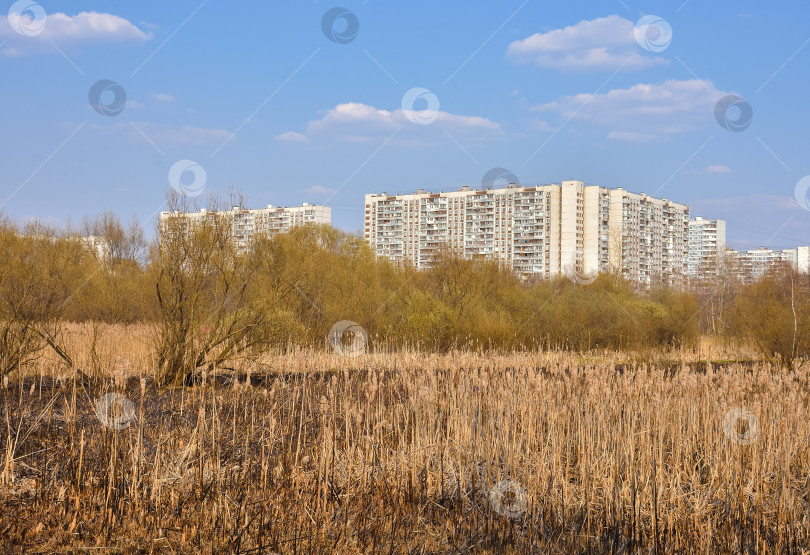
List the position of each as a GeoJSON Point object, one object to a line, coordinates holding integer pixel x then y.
{"type": "Point", "coordinates": [210, 308]}
{"type": "Point", "coordinates": [39, 272]}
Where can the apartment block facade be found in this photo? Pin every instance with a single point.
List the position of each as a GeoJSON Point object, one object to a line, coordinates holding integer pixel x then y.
{"type": "Point", "coordinates": [247, 223]}
{"type": "Point", "coordinates": [707, 248]}
{"type": "Point", "coordinates": [543, 231]}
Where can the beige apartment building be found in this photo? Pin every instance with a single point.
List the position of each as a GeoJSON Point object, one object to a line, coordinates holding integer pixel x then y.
{"type": "Point", "coordinates": [247, 223]}
{"type": "Point", "coordinates": [707, 247]}
{"type": "Point", "coordinates": [544, 231]}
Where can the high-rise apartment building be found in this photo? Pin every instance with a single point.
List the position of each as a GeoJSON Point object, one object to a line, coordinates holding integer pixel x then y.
{"type": "Point", "coordinates": [546, 230]}
{"type": "Point", "coordinates": [248, 223]}
{"type": "Point", "coordinates": [649, 237]}
{"type": "Point", "coordinates": [707, 247]}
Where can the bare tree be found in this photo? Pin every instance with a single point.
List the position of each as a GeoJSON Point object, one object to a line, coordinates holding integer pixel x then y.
{"type": "Point", "coordinates": [210, 308]}
{"type": "Point", "coordinates": [39, 273]}
{"type": "Point", "coordinates": [119, 243]}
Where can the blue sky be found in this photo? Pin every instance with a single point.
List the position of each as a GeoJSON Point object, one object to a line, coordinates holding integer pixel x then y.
{"type": "Point", "coordinates": [260, 98]}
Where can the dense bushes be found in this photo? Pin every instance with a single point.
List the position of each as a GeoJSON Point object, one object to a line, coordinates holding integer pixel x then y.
{"type": "Point", "coordinates": [211, 303]}
{"type": "Point", "coordinates": [774, 314]}
{"type": "Point", "coordinates": [39, 273]}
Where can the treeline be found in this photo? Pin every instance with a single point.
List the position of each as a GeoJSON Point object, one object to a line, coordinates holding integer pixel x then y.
{"type": "Point", "coordinates": [209, 302]}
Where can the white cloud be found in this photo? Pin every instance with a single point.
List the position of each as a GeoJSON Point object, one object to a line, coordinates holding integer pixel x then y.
{"type": "Point", "coordinates": [291, 137]}
{"type": "Point", "coordinates": [66, 30]}
{"type": "Point", "coordinates": [318, 190]}
{"type": "Point", "coordinates": [718, 169]}
{"type": "Point", "coordinates": [355, 122]}
{"type": "Point", "coordinates": [164, 97]}
{"type": "Point", "coordinates": [643, 111]}
{"type": "Point", "coordinates": [606, 43]}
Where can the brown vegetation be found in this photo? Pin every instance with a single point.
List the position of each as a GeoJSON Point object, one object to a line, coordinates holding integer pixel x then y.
{"type": "Point", "coordinates": [181, 397]}
{"type": "Point", "coordinates": [414, 452]}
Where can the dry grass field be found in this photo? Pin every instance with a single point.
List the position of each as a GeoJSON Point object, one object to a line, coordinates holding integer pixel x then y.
{"type": "Point", "coordinates": [410, 452]}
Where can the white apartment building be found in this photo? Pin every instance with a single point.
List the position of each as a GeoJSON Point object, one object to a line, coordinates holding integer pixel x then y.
{"type": "Point", "coordinates": [753, 264]}
{"type": "Point", "coordinates": [707, 247]}
{"type": "Point", "coordinates": [649, 237]}
{"type": "Point", "coordinates": [247, 223]}
{"type": "Point", "coordinates": [544, 230]}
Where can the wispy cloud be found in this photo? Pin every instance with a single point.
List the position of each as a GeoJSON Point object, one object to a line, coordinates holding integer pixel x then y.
{"type": "Point", "coordinates": [602, 44]}
{"type": "Point", "coordinates": [644, 111]}
{"type": "Point", "coordinates": [749, 203]}
{"type": "Point", "coordinates": [756, 219]}
{"type": "Point", "coordinates": [318, 190]}
{"type": "Point", "coordinates": [165, 98]}
{"type": "Point", "coordinates": [164, 135]}
{"type": "Point", "coordinates": [632, 136]}
{"type": "Point", "coordinates": [540, 125]}
{"type": "Point", "coordinates": [291, 137]}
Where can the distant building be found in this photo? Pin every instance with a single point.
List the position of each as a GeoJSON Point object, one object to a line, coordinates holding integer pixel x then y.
{"type": "Point", "coordinates": [545, 230]}
{"type": "Point", "coordinates": [249, 223]}
{"type": "Point", "coordinates": [99, 246]}
{"type": "Point", "coordinates": [752, 265]}
{"type": "Point", "coordinates": [707, 247]}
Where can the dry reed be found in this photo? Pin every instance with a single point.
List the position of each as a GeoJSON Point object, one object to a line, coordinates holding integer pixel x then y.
{"type": "Point", "coordinates": [408, 452]}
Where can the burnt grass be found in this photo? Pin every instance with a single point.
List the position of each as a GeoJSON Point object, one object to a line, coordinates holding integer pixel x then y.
{"type": "Point", "coordinates": [230, 464]}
